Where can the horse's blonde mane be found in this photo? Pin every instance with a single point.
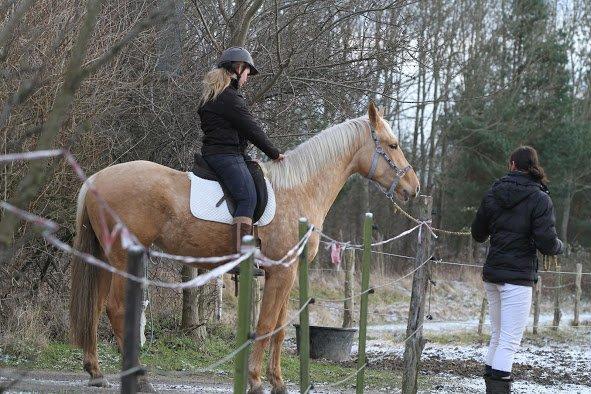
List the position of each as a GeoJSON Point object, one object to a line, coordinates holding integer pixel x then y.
{"type": "Point", "coordinates": [310, 157]}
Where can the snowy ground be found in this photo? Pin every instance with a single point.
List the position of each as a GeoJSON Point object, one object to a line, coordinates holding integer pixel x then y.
{"type": "Point", "coordinates": [466, 325]}
{"type": "Point", "coordinates": [538, 368]}
{"type": "Point", "coordinates": [541, 366]}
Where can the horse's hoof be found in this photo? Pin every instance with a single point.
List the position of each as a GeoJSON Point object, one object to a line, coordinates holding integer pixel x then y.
{"type": "Point", "coordinates": [99, 382]}
{"type": "Point", "coordinates": [143, 386]}
{"type": "Point", "coordinates": [279, 390]}
{"type": "Point", "coordinates": [256, 390]}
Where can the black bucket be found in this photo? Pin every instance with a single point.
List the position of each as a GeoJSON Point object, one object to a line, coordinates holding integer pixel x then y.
{"type": "Point", "coordinates": [331, 343]}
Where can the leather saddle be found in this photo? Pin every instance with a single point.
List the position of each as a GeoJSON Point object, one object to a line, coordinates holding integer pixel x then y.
{"type": "Point", "coordinates": [203, 170]}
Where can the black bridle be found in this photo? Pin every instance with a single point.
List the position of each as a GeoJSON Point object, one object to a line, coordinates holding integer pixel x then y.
{"type": "Point", "coordinates": [379, 152]}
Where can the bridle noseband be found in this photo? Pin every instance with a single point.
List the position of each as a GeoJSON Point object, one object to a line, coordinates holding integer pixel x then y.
{"type": "Point", "coordinates": [379, 152]}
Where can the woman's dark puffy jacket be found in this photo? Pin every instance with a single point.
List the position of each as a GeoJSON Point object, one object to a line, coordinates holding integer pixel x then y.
{"type": "Point", "coordinates": [228, 126]}
{"type": "Point", "coordinates": [518, 214]}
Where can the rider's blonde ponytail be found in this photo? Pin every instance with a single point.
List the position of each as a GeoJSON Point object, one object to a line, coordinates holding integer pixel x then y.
{"type": "Point", "coordinates": [214, 82]}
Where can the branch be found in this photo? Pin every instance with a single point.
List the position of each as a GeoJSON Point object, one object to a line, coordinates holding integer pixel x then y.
{"type": "Point", "coordinates": [156, 17]}
{"type": "Point", "coordinates": [259, 95]}
{"type": "Point", "coordinates": [31, 183]}
{"type": "Point", "coordinates": [240, 37]}
{"type": "Point", "coordinates": [6, 33]}
{"type": "Point", "coordinates": [223, 11]}
{"type": "Point", "coordinates": [213, 40]}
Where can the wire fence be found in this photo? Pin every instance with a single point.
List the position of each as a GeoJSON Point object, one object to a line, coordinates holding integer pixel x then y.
{"type": "Point", "coordinates": [224, 263]}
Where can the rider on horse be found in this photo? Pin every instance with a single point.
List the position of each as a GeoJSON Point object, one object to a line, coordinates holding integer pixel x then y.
{"type": "Point", "coordinates": [228, 126]}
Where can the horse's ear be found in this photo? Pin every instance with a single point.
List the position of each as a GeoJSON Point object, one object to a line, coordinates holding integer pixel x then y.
{"type": "Point", "coordinates": [373, 113]}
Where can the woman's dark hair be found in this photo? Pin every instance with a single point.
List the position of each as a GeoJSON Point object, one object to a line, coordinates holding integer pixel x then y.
{"type": "Point", "coordinates": [526, 160]}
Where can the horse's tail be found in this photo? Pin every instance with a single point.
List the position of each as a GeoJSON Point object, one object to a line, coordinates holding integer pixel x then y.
{"type": "Point", "coordinates": [84, 302]}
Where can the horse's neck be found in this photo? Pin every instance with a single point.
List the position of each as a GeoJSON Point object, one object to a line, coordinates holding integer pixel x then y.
{"type": "Point", "coordinates": [313, 198]}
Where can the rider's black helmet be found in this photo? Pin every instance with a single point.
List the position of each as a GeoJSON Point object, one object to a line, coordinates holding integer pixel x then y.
{"type": "Point", "coordinates": [236, 54]}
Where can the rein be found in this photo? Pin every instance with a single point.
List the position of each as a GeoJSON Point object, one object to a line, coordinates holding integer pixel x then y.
{"type": "Point", "coordinates": [379, 152]}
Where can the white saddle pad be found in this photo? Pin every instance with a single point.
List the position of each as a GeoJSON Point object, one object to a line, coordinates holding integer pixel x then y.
{"type": "Point", "coordinates": [205, 194]}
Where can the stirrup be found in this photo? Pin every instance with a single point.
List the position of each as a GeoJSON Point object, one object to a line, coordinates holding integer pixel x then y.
{"type": "Point", "coordinates": [255, 271]}
{"type": "Point", "coordinates": [236, 271]}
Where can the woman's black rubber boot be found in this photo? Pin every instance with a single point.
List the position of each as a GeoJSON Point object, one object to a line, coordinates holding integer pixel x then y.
{"type": "Point", "coordinates": [496, 385]}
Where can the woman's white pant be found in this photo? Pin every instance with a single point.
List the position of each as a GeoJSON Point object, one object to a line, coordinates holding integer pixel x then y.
{"type": "Point", "coordinates": [509, 307]}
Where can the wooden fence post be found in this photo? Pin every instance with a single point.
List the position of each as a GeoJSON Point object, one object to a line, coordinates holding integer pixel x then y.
{"type": "Point", "coordinates": [244, 310]}
{"type": "Point", "coordinates": [304, 315]}
{"type": "Point", "coordinates": [131, 335]}
{"type": "Point", "coordinates": [414, 330]}
{"type": "Point", "coordinates": [537, 304]}
{"type": "Point", "coordinates": [557, 290]}
{"type": "Point", "coordinates": [219, 301]}
{"type": "Point", "coordinates": [482, 316]}
{"type": "Point", "coordinates": [349, 303]}
{"type": "Point", "coordinates": [256, 303]}
{"type": "Point", "coordinates": [367, 230]}
{"type": "Point", "coordinates": [579, 277]}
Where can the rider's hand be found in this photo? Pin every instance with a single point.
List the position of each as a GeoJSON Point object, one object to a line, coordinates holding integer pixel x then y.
{"type": "Point", "coordinates": [279, 158]}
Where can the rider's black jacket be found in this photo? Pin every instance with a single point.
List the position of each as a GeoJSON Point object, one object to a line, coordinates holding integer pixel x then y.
{"type": "Point", "coordinates": [228, 126]}
{"type": "Point", "coordinates": [518, 214]}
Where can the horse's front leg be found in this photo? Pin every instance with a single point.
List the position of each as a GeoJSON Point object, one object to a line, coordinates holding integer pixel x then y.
{"type": "Point", "coordinates": [274, 367]}
{"type": "Point", "coordinates": [278, 283]}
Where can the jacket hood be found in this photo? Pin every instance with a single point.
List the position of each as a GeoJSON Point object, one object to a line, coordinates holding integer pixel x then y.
{"type": "Point", "coordinates": [513, 188]}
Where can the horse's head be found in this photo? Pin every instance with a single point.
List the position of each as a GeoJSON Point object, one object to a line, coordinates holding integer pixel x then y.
{"type": "Point", "coordinates": [382, 160]}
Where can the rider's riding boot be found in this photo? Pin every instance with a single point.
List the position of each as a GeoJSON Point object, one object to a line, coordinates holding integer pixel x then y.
{"type": "Point", "coordinates": [242, 226]}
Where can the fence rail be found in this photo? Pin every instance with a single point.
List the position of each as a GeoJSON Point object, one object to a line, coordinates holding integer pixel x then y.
{"type": "Point", "coordinates": [136, 280]}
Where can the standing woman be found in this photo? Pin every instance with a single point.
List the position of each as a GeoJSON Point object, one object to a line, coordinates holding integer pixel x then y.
{"type": "Point", "coordinates": [228, 127]}
{"type": "Point", "coordinates": [518, 214]}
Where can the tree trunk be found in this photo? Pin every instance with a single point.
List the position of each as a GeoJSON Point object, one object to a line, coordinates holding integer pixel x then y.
{"type": "Point", "coordinates": [566, 216]}
{"type": "Point", "coordinates": [190, 322]}
{"type": "Point", "coordinates": [206, 303]}
{"type": "Point", "coordinates": [169, 43]}
{"type": "Point", "coordinates": [245, 12]}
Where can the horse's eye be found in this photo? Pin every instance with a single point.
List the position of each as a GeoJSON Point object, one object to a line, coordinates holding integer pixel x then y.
{"type": "Point", "coordinates": [393, 146]}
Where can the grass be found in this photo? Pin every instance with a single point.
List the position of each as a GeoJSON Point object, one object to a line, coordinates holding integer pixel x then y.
{"type": "Point", "coordinates": [457, 338]}
{"type": "Point", "coordinates": [175, 352]}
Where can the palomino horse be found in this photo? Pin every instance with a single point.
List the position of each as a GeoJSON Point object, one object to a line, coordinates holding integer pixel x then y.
{"type": "Point", "coordinates": [153, 201]}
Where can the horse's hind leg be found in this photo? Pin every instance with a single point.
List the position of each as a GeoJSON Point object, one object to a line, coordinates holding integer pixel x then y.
{"type": "Point", "coordinates": [116, 309]}
{"type": "Point", "coordinates": [274, 367]}
{"type": "Point", "coordinates": [90, 362]}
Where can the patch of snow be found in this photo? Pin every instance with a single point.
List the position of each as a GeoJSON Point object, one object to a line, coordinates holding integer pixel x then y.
{"type": "Point", "coordinates": [430, 325]}
{"type": "Point", "coordinates": [457, 384]}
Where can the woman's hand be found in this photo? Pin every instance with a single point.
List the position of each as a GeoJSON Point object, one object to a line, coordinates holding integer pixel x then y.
{"type": "Point", "coordinates": [279, 158]}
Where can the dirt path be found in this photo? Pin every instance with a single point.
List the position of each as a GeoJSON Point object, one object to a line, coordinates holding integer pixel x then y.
{"type": "Point", "coordinates": [63, 382]}
{"type": "Point", "coordinates": [68, 382]}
